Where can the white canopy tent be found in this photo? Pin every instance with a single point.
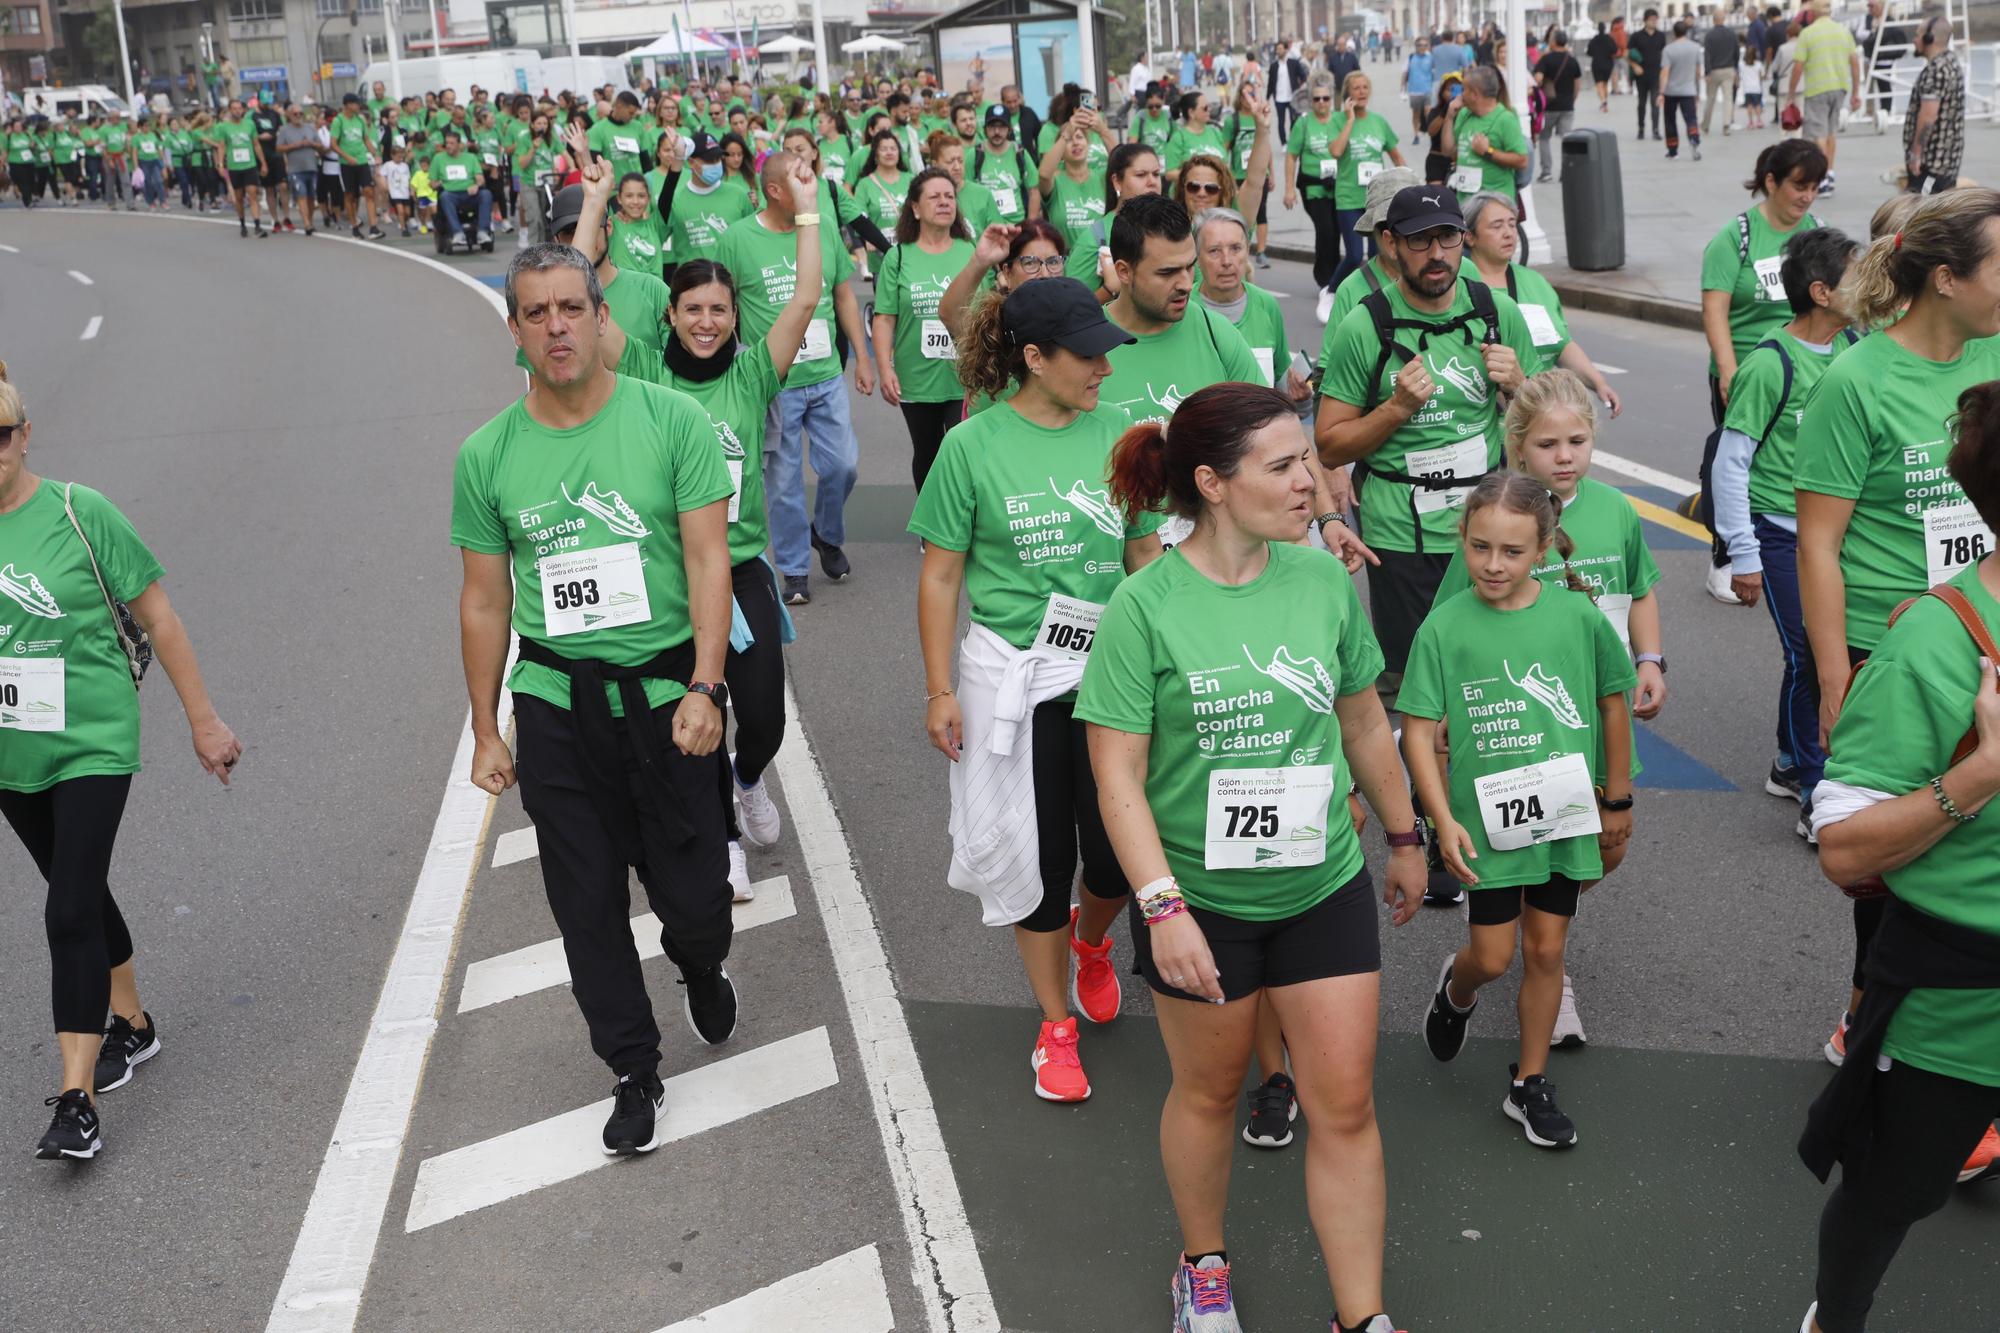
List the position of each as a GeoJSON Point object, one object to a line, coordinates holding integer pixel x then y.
{"type": "Point", "coordinates": [667, 46]}
{"type": "Point", "coordinates": [783, 46]}
{"type": "Point", "coordinates": [873, 42]}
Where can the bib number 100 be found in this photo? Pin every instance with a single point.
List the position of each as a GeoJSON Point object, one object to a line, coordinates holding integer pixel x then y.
{"type": "Point", "coordinates": [1515, 811]}
{"type": "Point", "coordinates": [575, 593]}
{"type": "Point", "coordinates": [1251, 821]}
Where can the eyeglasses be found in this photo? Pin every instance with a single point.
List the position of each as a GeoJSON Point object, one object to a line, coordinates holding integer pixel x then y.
{"type": "Point", "coordinates": [1322, 97]}
{"type": "Point", "coordinates": [1447, 239]}
{"type": "Point", "coordinates": [1202, 187]}
{"type": "Point", "coordinates": [7, 432]}
{"type": "Point", "coordinates": [1032, 264]}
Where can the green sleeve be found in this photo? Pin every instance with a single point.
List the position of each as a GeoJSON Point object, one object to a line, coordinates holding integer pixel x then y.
{"type": "Point", "coordinates": [763, 373]}
{"type": "Point", "coordinates": [845, 206]}
{"type": "Point", "coordinates": [1296, 142]}
{"type": "Point", "coordinates": [1422, 692]}
{"type": "Point", "coordinates": [641, 362]}
{"type": "Point", "coordinates": [1351, 353]}
{"type": "Point", "coordinates": [128, 565]}
{"type": "Point", "coordinates": [1456, 580]}
{"type": "Point", "coordinates": [1895, 730]}
{"type": "Point", "coordinates": [945, 505]}
{"type": "Point", "coordinates": [1514, 329]}
{"type": "Point", "coordinates": [1834, 439]}
{"type": "Point", "coordinates": [1117, 689]}
{"type": "Point", "coordinates": [475, 523]}
{"type": "Point", "coordinates": [1615, 673]}
{"type": "Point", "coordinates": [699, 476]}
{"type": "Point", "coordinates": [1753, 394]}
{"type": "Point", "coordinates": [1361, 659]}
{"type": "Point", "coordinates": [1641, 570]}
{"type": "Point", "coordinates": [889, 284]}
{"type": "Point", "coordinates": [1719, 264]}
{"type": "Point", "coordinates": [1513, 139]}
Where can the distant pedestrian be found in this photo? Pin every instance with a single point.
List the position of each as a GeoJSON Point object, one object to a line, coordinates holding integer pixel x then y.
{"type": "Point", "coordinates": [1680, 86]}
{"type": "Point", "coordinates": [1603, 53]}
{"type": "Point", "coordinates": [1644, 51]}
{"type": "Point", "coordinates": [1934, 130]}
{"type": "Point", "coordinates": [1722, 54]}
{"type": "Point", "coordinates": [1419, 80]}
{"type": "Point", "coordinates": [1557, 73]}
{"type": "Point", "coordinates": [1827, 70]}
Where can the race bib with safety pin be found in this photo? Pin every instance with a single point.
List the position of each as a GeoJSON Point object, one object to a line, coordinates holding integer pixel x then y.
{"type": "Point", "coordinates": [1541, 325]}
{"type": "Point", "coordinates": [1267, 817]}
{"type": "Point", "coordinates": [1617, 608]}
{"type": "Point", "coordinates": [596, 589]}
{"type": "Point", "coordinates": [1466, 180]}
{"type": "Point", "coordinates": [1069, 627]}
{"type": "Point", "coordinates": [937, 342]}
{"type": "Point", "coordinates": [1464, 462]}
{"type": "Point", "coordinates": [31, 694]}
{"type": "Point", "coordinates": [1537, 803]}
{"type": "Point", "coordinates": [1367, 171]}
{"type": "Point", "coordinates": [1770, 286]}
{"type": "Point", "coordinates": [1954, 537]}
{"type": "Point", "coordinates": [1006, 199]}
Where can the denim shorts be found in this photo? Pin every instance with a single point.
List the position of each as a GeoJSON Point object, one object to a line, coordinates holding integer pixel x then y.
{"type": "Point", "coordinates": [305, 184]}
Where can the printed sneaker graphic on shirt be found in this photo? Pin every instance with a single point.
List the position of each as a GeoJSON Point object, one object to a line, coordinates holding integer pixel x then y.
{"type": "Point", "coordinates": [732, 447]}
{"type": "Point", "coordinates": [610, 506]}
{"type": "Point", "coordinates": [612, 606]}
{"type": "Point", "coordinates": [1308, 679]}
{"type": "Point", "coordinates": [1170, 401]}
{"type": "Point", "coordinates": [1466, 379]}
{"type": "Point", "coordinates": [1094, 501]}
{"type": "Point", "coordinates": [27, 590]}
{"type": "Point", "coordinates": [1550, 690]}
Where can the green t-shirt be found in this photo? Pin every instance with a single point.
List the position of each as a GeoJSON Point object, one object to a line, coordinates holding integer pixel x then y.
{"type": "Point", "coordinates": [146, 145]}
{"type": "Point", "coordinates": [627, 147]}
{"type": "Point", "coordinates": [115, 136]}
{"type": "Point", "coordinates": [1263, 330]}
{"type": "Point", "coordinates": [763, 262]}
{"type": "Point", "coordinates": [179, 144]}
{"type": "Point", "coordinates": [1367, 153]}
{"type": "Point", "coordinates": [238, 140]}
{"type": "Point", "coordinates": [1757, 302]}
{"type": "Point", "coordinates": [1502, 128]}
{"type": "Point", "coordinates": [1241, 132]}
{"type": "Point", "coordinates": [882, 200]}
{"type": "Point", "coordinates": [460, 173]}
{"type": "Point", "coordinates": [67, 706]}
{"type": "Point", "coordinates": [1096, 155]}
{"type": "Point", "coordinates": [639, 246]}
{"type": "Point", "coordinates": [1874, 432]}
{"type": "Point", "coordinates": [486, 145]}
{"type": "Point", "coordinates": [1754, 398]}
{"type": "Point", "coordinates": [975, 205]}
{"type": "Point", "coordinates": [1031, 510]}
{"type": "Point", "coordinates": [352, 139]}
{"type": "Point", "coordinates": [1074, 207]}
{"type": "Point", "coordinates": [64, 145]}
{"type": "Point", "coordinates": [614, 486]}
{"type": "Point", "coordinates": [1907, 710]}
{"type": "Point", "coordinates": [1152, 130]}
{"type": "Point", "coordinates": [1237, 686]}
{"type": "Point", "coordinates": [1187, 143]}
{"type": "Point", "coordinates": [833, 156]}
{"type": "Point", "coordinates": [1002, 174]}
{"type": "Point", "coordinates": [1514, 688]}
{"type": "Point", "coordinates": [376, 105]}
{"type": "Point", "coordinates": [1150, 377]}
{"type": "Point", "coordinates": [697, 221]}
{"type": "Point", "coordinates": [909, 286]}
{"type": "Point", "coordinates": [1543, 311]}
{"type": "Point", "coordinates": [20, 147]}
{"type": "Point", "coordinates": [93, 140]}
{"type": "Point", "coordinates": [736, 402]}
{"type": "Point", "coordinates": [1457, 431]}
{"type": "Point", "coordinates": [1309, 142]}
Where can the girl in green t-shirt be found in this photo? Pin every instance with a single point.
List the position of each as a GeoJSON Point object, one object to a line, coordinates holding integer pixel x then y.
{"type": "Point", "coordinates": [1528, 680]}
{"type": "Point", "coordinates": [883, 181]}
{"type": "Point", "coordinates": [638, 236]}
{"type": "Point", "coordinates": [1230, 700]}
{"type": "Point", "coordinates": [1073, 198]}
{"type": "Point", "coordinates": [914, 348]}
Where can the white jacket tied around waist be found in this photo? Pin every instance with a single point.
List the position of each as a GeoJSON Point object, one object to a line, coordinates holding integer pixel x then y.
{"type": "Point", "coordinates": [995, 842]}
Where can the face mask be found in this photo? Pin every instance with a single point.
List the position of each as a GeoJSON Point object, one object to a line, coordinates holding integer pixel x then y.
{"type": "Point", "coordinates": [708, 173]}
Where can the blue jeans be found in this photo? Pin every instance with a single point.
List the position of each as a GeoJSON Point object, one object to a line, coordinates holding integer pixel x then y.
{"type": "Point", "coordinates": [1351, 242]}
{"type": "Point", "coordinates": [1798, 687]}
{"type": "Point", "coordinates": [822, 410]}
{"type": "Point", "coordinates": [184, 174]}
{"type": "Point", "coordinates": [156, 185]}
{"type": "Point", "coordinates": [451, 202]}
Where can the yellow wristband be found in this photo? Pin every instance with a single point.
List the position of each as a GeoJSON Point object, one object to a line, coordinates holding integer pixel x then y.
{"type": "Point", "coordinates": [806, 220]}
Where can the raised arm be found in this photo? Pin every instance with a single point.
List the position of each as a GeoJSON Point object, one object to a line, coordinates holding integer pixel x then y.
{"type": "Point", "coordinates": [789, 329]}
{"type": "Point", "coordinates": [988, 253]}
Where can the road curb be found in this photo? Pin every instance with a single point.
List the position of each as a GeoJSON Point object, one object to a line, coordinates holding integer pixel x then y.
{"type": "Point", "coordinates": [1577, 293]}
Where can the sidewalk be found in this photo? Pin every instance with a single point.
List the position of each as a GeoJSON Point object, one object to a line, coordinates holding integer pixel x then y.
{"type": "Point", "coordinates": [1673, 209]}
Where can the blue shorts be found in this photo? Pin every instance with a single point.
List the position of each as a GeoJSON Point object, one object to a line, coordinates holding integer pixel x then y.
{"type": "Point", "coordinates": [305, 184]}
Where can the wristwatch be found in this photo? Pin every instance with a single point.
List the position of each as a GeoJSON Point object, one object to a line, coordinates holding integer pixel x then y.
{"type": "Point", "coordinates": [1414, 838]}
{"type": "Point", "coordinates": [1656, 659]}
{"type": "Point", "coordinates": [718, 693]}
{"type": "Point", "coordinates": [1621, 803]}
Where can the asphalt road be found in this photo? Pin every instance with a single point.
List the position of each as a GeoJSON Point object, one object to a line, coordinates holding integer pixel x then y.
{"type": "Point", "coordinates": [279, 418]}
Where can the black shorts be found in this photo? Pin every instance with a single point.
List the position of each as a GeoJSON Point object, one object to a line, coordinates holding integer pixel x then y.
{"type": "Point", "coordinates": [71, 171]}
{"type": "Point", "coordinates": [1335, 937]}
{"type": "Point", "coordinates": [1400, 592]}
{"type": "Point", "coordinates": [330, 192]}
{"type": "Point", "coordinates": [274, 173]}
{"type": "Point", "coordinates": [356, 177]}
{"type": "Point", "coordinates": [245, 179]}
{"type": "Point", "coordinates": [1498, 907]}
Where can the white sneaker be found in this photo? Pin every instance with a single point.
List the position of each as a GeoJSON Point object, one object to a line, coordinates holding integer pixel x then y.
{"type": "Point", "coordinates": [1718, 585]}
{"type": "Point", "coordinates": [1568, 1031]}
{"type": "Point", "coordinates": [739, 875]}
{"type": "Point", "coordinates": [757, 812]}
{"type": "Point", "coordinates": [1324, 310]}
{"type": "Point", "coordinates": [1812, 1313]}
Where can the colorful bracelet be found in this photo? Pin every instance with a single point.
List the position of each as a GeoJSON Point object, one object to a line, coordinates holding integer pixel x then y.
{"type": "Point", "coordinates": [1946, 804]}
{"type": "Point", "coordinates": [1145, 893]}
{"type": "Point", "coordinates": [1163, 908]}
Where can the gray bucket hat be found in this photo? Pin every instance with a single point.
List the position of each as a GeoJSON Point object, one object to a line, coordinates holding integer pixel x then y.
{"type": "Point", "coordinates": [1380, 191]}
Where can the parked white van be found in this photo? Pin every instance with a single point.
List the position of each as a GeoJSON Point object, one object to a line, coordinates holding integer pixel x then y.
{"type": "Point", "coordinates": [86, 99]}
{"type": "Point", "coordinates": [511, 70]}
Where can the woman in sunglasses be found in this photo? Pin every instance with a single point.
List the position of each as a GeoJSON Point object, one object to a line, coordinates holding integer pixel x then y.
{"type": "Point", "coordinates": [1312, 166]}
{"type": "Point", "coordinates": [70, 565]}
{"type": "Point", "coordinates": [1206, 181]}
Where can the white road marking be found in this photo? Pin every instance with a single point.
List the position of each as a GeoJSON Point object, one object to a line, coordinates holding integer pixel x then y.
{"type": "Point", "coordinates": [1651, 476]}
{"type": "Point", "coordinates": [518, 845]}
{"type": "Point", "coordinates": [321, 1290]}
{"type": "Point", "coordinates": [1612, 370]}
{"type": "Point", "coordinates": [11, 249]}
{"type": "Point", "coordinates": [571, 1144]}
{"type": "Point", "coordinates": [944, 1260]}
{"type": "Point", "coordinates": [844, 1295]}
{"type": "Point", "coordinates": [509, 976]}
{"type": "Point", "coordinates": [90, 329]}
{"type": "Point", "coordinates": [83, 278]}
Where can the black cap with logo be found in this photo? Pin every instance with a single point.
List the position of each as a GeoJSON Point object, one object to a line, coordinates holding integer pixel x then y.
{"type": "Point", "coordinates": [1420, 208]}
{"type": "Point", "coordinates": [1060, 311]}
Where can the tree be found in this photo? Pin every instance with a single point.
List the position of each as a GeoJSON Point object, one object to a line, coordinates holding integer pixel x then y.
{"type": "Point", "coordinates": [100, 41]}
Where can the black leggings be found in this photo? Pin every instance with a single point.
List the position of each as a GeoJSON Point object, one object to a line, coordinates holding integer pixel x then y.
{"type": "Point", "coordinates": [1326, 237]}
{"type": "Point", "coordinates": [1925, 1126]}
{"type": "Point", "coordinates": [69, 830]}
{"type": "Point", "coordinates": [1068, 820]}
{"type": "Point", "coordinates": [756, 680]}
{"type": "Point", "coordinates": [928, 422]}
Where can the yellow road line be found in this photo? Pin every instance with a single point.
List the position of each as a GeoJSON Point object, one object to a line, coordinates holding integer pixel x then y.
{"type": "Point", "coordinates": [1668, 519]}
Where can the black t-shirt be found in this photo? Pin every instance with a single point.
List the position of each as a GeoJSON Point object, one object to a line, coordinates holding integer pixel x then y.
{"type": "Point", "coordinates": [1603, 52]}
{"type": "Point", "coordinates": [1560, 73]}
{"type": "Point", "coordinates": [1647, 46]}
{"type": "Point", "coordinates": [267, 122]}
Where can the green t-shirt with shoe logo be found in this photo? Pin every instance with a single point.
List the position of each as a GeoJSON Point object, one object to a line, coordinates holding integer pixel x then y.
{"type": "Point", "coordinates": [765, 266]}
{"type": "Point", "coordinates": [1153, 375]}
{"type": "Point", "coordinates": [909, 287]}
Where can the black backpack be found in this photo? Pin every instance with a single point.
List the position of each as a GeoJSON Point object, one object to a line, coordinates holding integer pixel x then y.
{"type": "Point", "coordinates": [1702, 510]}
{"type": "Point", "coordinates": [1029, 179]}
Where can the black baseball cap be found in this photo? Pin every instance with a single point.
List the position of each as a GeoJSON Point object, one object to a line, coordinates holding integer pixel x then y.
{"type": "Point", "coordinates": [1422, 208]}
{"type": "Point", "coordinates": [707, 148]}
{"type": "Point", "coordinates": [565, 209]}
{"type": "Point", "coordinates": [1061, 311]}
{"type": "Point", "coordinates": [351, 99]}
{"type": "Point", "coordinates": [997, 115]}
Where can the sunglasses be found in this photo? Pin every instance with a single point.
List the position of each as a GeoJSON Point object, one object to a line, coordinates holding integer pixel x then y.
{"type": "Point", "coordinates": [1319, 98]}
{"type": "Point", "coordinates": [1203, 187]}
{"type": "Point", "coordinates": [7, 432]}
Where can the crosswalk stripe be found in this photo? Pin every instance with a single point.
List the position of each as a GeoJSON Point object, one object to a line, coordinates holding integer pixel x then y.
{"type": "Point", "coordinates": [508, 976]}
{"type": "Point", "coordinates": [1612, 370]}
{"type": "Point", "coordinates": [565, 1146]}
{"type": "Point", "coordinates": [844, 1295]}
{"type": "Point", "coordinates": [520, 845]}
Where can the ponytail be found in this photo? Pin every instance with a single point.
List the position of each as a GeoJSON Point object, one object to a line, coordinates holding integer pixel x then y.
{"type": "Point", "coordinates": [986, 364]}
{"type": "Point", "coordinates": [1519, 493]}
{"type": "Point", "coordinates": [1139, 469]}
{"type": "Point", "coordinates": [1564, 545]}
{"type": "Point", "coordinates": [1944, 231]}
{"type": "Point", "coordinates": [1154, 463]}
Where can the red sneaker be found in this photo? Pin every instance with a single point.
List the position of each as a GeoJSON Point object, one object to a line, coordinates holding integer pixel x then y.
{"type": "Point", "coordinates": [1836, 1045]}
{"type": "Point", "coordinates": [1093, 988]}
{"type": "Point", "coordinates": [1058, 1071]}
{"type": "Point", "coordinates": [1985, 1159]}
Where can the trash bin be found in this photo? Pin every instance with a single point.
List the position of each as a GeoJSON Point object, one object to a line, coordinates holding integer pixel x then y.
{"type": "Point", "coordinates": [1593, 200]}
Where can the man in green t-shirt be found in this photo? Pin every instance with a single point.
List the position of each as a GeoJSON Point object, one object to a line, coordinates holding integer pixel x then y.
{"type": "Point", "coordinates": [354, 144]}
{"type": "Point", "coordinates": [1420, 416]}
{"type": "Point", "coordinates": [621, 140]}
{"type": "Point", "coordinates": [65, 147]}
{"type": "Point", "coordinates": [460, 180]}
{"type": "Point", "coordinates": [239, 156]}
{"type": "Point", "coordinates": [1483, 137]}
{"type": "Point", "coordinates": [592, 519]}
{"type": "Point", "coordinates": [1002, 166]}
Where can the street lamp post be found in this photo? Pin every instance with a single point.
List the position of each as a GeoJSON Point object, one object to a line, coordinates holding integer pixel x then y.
{"type": "Point", "coordinates": [395, 55]}
{"type": "Point", "coordinates": [824, 69]}
{"type": "Point", "coordinates": [124, 57]}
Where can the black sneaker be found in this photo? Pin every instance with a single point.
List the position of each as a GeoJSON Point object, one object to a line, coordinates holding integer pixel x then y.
{"type": "Point", "coordinates": [357, 231]}
{"type": "Point", "coordinates": [635, 1113]}
{"type": "Point", "coordinates": [74, 1132]}
{"type": "Point", "coordinates": [710, 1003]}
{"type": "Point", "coordinates": [1804, 827]}
{"type": "Point", "coordinates": [125, 1048]}
{"type": "Point", "coordinates": [375, 233]}
{"type": "Point", "coordinates": [242, 229]}
{"type": "Point", "coordinates": [798, 590]}
{"type": "Point", "coordinates": [831, 559]}
{"type": "Point", "coordinates": [1531, 1103]}
{"type": "Point", "coordinates": [1782, 781]}
{"type": "Point", "coordinates": [1274, 1104]}
{"type": "Point", "coordinates": [1443, 890]}
{"type": "Point", "coordinates": [1444, 1025]}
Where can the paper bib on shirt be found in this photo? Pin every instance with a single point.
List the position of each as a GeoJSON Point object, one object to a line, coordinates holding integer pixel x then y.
{"type": "Point", "coordinates": [1466, 180]}
{"type": "Point", "coordinates": [595, 589]}
{"type": "Point", "coordinates": [1541, 326]}
{"type": "Point", "coordinates": [1954, 537]}
{"type": "Point", "coordinates": [1538, 803]}
{"type": "Point", "coordinates": [1464, 461]}
{"type": "Point", "coordinates": [31, 694]}
{"type": "Point", "coordinates": [1267, 816]}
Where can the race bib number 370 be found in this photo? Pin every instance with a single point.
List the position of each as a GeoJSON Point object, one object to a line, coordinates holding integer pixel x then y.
{"type": "Point", "coordinates": [590, 590]}
{"type": "Point", "coordinates": [1267, 817]}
